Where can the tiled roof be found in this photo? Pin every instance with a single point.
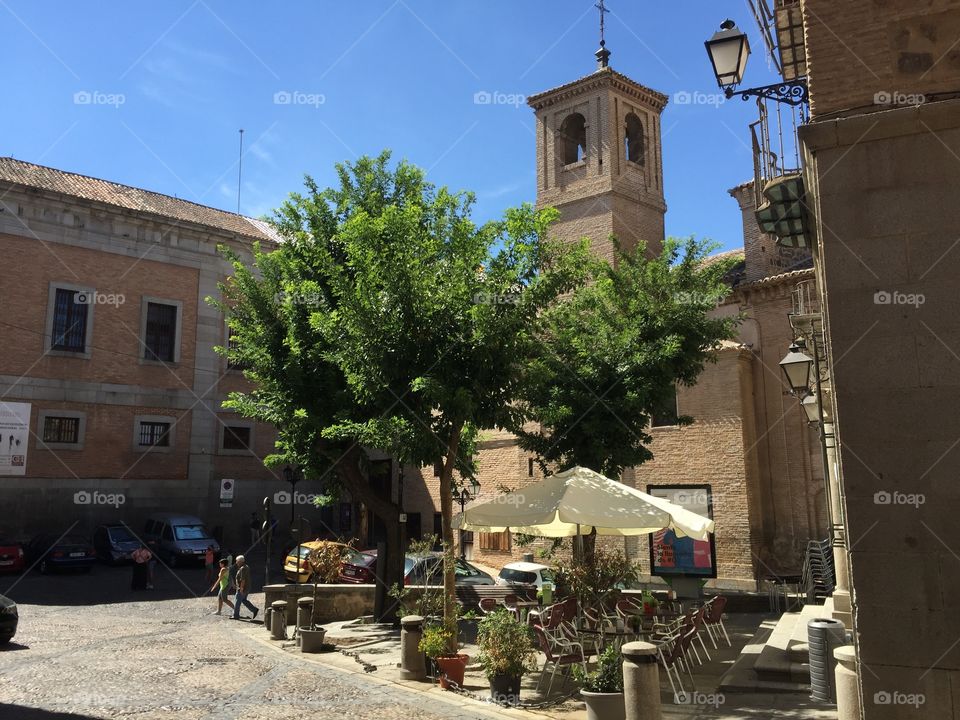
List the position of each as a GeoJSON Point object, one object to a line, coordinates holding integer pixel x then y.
{"type": "Point", "coordinates": [131, 198]}
{"type": "Point", "coordinates": [608, 74]}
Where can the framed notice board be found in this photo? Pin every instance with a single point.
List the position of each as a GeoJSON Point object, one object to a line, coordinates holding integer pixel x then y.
{"type": "Point", "coordinates": [672, 556]}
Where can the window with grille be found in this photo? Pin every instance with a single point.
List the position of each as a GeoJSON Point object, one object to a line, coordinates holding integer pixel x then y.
{"type": "Point", "coordinates": [69, 321]}
{"type": "Point", "coordinates": [497, 541]}
{"type": "Point", "coordinates": [161, 332]}
{"type": "Point", "coordinates": [155, 434]}
{"type": "Point", "coordinates": [236, 438]}
{"type": "Point", "coordinates": [61, 429]}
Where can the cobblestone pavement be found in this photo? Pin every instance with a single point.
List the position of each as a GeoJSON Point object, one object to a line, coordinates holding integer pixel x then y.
{"type": "Point", "coordinates": [164, 655]}
{"type": "Point", "coordinates": [88, 648]}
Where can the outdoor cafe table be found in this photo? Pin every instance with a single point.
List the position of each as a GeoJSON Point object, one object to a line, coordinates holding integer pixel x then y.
{"type": "Point", "coordinates": [618, 636]}
{"type": "Point", "coordinates": [524, 607]}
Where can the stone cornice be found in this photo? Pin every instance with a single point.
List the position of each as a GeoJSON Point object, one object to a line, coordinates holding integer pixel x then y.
{"type": "Point", "coordinates": [608, 78]}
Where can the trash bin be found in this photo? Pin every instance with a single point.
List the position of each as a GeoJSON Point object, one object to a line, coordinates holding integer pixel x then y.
{"type": "Point", "coordinates": [824, 635]}
{"type": "Point", "coordinates": [278, 620]}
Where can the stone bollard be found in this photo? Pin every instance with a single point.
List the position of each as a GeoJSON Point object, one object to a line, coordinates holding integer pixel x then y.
{"type": "Point", "coordinates": [848, 694]}
{"type": "Point", "coordinates": [278, 620]}
{"type": "Point", "coordinates": [412, 666]}
{"type": "Point", "coordinates": [641, 681]}
{"type": "Point", "coordinates": [305, 612]}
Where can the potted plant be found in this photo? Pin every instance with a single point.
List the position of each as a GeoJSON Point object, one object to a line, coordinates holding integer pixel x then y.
{"type": "Point", "coordinates": [435, 643]}
{"type": "Point", "coordinates": [468, 624]}
{"type": "Point", "coordinates": [324, 562]}
{"type": "Point", "coordinates": [506, 653]}
{"type": "Point", "coordinates": [602, 687]}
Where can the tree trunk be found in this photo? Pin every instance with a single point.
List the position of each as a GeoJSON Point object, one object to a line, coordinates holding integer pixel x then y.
{"type": "Point", "coordinates": [389, 568]}
{"type": "Point", "coordinates": [446, 518]}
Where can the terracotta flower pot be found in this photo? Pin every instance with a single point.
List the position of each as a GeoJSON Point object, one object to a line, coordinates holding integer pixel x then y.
{"type": "Point", "coordinates": [451, 670]}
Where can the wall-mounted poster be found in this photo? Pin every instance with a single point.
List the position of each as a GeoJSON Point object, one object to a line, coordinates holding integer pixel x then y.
{"type": "Point", "coordinates": [14, 435]}
{"type": "Point", "coordinates": [672, 556]}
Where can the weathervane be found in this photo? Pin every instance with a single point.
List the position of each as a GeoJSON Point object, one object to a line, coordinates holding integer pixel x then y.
{"type": "Point", "coordinates": [603, 55]}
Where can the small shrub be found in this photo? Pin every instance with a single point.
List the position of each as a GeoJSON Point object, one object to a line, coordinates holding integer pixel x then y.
{"type": "Point", "coordinates": [607, 677]}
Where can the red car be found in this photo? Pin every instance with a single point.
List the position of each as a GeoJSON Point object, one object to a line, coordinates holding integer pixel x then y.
{"type": "Point", "coordinates": [362, 572]}
{"type": "Point", "coordinates": [11, 556]}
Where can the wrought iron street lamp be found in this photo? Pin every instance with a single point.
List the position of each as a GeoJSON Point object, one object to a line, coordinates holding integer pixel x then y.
{"type": "Point", "coordinates": [463, 496]}
{"type": "Point", "coordinates": [797, 367]}
{"type": "Point", "coordinates": [729, 50]}
{"type": "Point", "coordinates": [811, 407]}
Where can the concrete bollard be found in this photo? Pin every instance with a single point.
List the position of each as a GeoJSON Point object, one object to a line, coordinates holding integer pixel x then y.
{"type": "Point", "coordinates": [278, 620]}
{"type": "Point", "coordinates": [305, 612]}
{"type": "Point", "coordinates": [412, 666]}
{"type": "Point", "coordinates": [848, 694]}
{"type": "Point", "coordinates": [641, 681]}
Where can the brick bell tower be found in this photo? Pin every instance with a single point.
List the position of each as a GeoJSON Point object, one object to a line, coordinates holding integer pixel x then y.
{"type": "Point", "coordinates": [599, 158]}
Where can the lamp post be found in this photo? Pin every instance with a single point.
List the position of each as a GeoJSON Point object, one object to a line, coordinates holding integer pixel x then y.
{"type": "Point", "coordinates": [267, 533]}
{"type": "Point", "coordinates": [463, 496]}
{"type": "Point", "coordinates": [292, 476]}
{"type": "Point", "coordinates": [729, 50]}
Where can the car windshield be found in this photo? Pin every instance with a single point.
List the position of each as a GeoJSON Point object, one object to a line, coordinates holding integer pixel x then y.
{"type": "Point", "coordinates": [121, 534]}
{"type": "Point", "coordinates": [190, 532]}
{"type": "Point", "coordinates": [464, 569]}
{"type": "Point", "coordinates": [518, 576]}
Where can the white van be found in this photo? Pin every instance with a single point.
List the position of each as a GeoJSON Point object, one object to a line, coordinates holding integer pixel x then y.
{"type": "Point", "coordinates": [180, 539]}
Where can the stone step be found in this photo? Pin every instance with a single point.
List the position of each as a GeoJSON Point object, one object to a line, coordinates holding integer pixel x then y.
{"type": "Point", "coordinates": [741, 677]}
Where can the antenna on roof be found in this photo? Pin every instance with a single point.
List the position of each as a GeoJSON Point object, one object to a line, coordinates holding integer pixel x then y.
{"type": "Point", "coordinates": [240, 171]}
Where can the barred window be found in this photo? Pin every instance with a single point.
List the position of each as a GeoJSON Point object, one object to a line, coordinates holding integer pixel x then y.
{"type": "Point", "coordinates": [236, 437]}
{"type": "Point", "coordinates": [70, 320]}
{"type": "Point", "coordinates": [161, 332]}
{"type": "Point", "coordinates": [61, 429]}
{"type": "Point", "coordinates": [154, 434]}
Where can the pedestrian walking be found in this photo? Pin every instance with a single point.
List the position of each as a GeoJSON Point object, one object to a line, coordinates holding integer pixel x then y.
{"type": "Point", "coordinates": [152, 563]}
{"type": "Point", "coordinates": [222, 584]}
{"type": "Point", "coordinates": [232, 568]}
{"type": "Point", "coordinates": [141, 556]}
{"type": "Point", "coordinates": [210, 560]}
{"type": "Point", "coordinates": [243, 589]}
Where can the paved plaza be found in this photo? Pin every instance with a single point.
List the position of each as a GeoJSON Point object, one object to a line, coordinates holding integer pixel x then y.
{"type": "Point", "coordinates": [90, 648]}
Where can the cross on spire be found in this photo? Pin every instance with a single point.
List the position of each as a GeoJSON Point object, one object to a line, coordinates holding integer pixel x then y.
{"type": "Point", "coordinates": [603, 55]}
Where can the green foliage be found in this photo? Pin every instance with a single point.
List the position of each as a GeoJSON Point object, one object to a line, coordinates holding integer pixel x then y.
{"type": "Point", "coordinates": [607, 677]}
{"type": "Point", "coordinates": [436, 641]}
{"type": "Point", "coordinates": [425, 602]}
{"type": "Point", "coordinates": [612, 355]}
{"type": "Point", "coordinates": [598, 582]}
{"type": "Point", "coordinates": [505, 645]}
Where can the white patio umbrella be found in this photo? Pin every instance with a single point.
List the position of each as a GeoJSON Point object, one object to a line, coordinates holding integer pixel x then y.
{"type": "Point", "coordinates": [577, 501]}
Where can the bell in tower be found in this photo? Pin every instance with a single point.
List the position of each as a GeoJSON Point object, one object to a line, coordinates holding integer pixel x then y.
{"type": "Point", "coordinates": [599, 158]}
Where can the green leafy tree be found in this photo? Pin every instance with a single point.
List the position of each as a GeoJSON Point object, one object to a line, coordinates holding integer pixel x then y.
{"type": "Point", "coordinates": [388, 319]}
{"type": "Point", "coordinates": [613, 354]}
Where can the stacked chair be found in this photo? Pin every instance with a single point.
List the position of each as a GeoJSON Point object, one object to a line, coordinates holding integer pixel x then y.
{"type": "Point", "coordinates": [819, 576]}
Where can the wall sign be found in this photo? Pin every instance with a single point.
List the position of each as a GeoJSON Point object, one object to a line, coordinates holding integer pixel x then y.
{"type": "Point", "coordinates": [672, 556]}
{"type": "Point", "coordinates": [14, 436]}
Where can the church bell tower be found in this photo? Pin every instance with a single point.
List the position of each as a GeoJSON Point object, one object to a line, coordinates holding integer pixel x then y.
{"type": "Point", "coordinates": [599, 158]}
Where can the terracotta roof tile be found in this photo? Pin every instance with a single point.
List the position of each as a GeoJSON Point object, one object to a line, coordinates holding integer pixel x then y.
{"type": "Point", "coordinates": [131, 198]}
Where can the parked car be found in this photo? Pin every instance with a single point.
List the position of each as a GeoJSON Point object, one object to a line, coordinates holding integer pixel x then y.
{"type": "Point", "coordinates": [180, 539]}
{"type": "Point", "coordinates": [8, 619]}
{"type": "Point", "coordinates": [525, 573]}
{"type": "Point", "coordinates": [70, 552]}
{"type": "Point", "coordinates": [290, 565]}
{"type": "Point", "coordinates": [417, 570]}
{"type": "Point", "coordinates": [11, 556]}
{"type": "Point", "coordinates": [114, 542]}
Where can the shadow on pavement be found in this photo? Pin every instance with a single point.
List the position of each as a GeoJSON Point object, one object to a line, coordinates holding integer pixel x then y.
{"type": "Point", "coordinates": [12, 647]}
{"type": "Point", "coordinates": [19, 712]}
{"type": "Point", "coordinates": [111, 584]}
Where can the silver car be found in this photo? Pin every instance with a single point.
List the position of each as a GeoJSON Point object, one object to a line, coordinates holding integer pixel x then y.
{"type": "Point", "coordinates": [180, 539]}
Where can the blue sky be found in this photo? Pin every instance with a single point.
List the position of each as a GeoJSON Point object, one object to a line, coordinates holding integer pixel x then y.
{"type": "Point", "coordinates": [153, 94]}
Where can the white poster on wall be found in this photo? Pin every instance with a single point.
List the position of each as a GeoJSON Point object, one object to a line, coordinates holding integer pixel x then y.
{"type": "Point", "coordinates": [14, 435]}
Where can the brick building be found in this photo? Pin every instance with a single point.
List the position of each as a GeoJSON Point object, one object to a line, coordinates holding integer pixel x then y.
{"type": "Point", "coordinates": [109, 343]}
{"type": "Point", "coordinates": [599, 162]}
